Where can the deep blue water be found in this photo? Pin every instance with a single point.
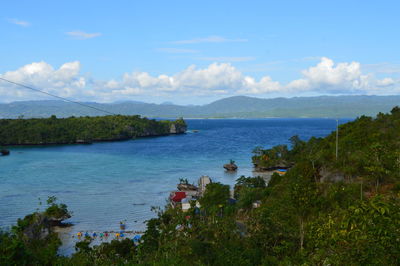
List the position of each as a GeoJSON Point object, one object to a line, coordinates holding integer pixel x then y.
{"type": "Point", "coordinates": [105, 183]}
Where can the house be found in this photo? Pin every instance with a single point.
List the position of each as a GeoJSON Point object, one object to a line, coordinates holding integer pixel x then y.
{"type": "Point", "coordinates": [203, 182]}
{"type": "Point", "coordinates": [256, 204]}
{"type": "Point", "coordinates": [177, 196]}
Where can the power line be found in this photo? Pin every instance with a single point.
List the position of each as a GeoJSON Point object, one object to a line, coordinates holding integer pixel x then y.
{"type": "Point", "coordinates": [59, 97]}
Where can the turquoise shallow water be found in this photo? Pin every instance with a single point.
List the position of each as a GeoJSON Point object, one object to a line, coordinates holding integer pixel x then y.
{"type": "Point", "coordinates": [105, 183]}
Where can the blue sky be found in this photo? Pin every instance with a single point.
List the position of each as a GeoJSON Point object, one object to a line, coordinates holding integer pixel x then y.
{"type": "Point", "coordinates": [197, 51]}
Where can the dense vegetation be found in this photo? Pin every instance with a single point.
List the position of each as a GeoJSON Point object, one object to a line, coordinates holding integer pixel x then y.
{"type": "Point", "coordinates": [324, 211]}
{"type": "Point", "coordinates": [55, 130]}
{"type": "Point", "coordinates": [32, 241]}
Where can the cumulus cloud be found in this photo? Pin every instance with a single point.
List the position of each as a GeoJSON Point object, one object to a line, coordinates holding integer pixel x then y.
{"type": "Point", "coordinates": [64, 81]}
{"type": "Point", "coordinates": [326, 77]}
{"type": "Point", "coordinates": [81, 35]}
{"type": "Point", "coordinates": [209, 39]}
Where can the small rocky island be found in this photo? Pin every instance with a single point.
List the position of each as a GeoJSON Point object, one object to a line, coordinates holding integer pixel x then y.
{"type": "Point", "coordinates": [40, 225]}
{"type": "Point", "coordinates": [231, 166]}
{"type": "Point", "coordinates": [84, 130]}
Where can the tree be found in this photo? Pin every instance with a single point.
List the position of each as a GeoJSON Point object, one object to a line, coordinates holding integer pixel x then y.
{"type": "Point", "coordinates": [215, 196]}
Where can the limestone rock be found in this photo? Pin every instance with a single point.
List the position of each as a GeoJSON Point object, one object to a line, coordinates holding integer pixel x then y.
{"type": "Point", "coordinates": [230, 167]}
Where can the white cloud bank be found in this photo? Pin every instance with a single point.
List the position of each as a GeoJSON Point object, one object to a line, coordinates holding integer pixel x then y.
{"type": "Point", "coordinates": [217, 79]}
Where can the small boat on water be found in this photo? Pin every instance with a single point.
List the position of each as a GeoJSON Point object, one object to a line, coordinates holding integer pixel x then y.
{"type": "Point", "coordinates": [195, 130]}
{"type": "Point", "coordinates": [4, 152]}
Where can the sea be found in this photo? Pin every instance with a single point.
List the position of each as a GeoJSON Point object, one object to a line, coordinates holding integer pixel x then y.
{"type": "Point", "coordinates": [106, 183]}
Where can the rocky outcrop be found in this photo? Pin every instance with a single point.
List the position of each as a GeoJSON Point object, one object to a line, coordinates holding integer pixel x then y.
{"type": "Point", "coordinates": [230, 167]}
{"type": "Point", "coordinates": [58, 221]}
{"type": "Point", "coordinates": [184, 187]}
{"type": "Point", "coordinates": [177, 128]}
{"type": "Point", "coordinates": [259, 168]}
{"type": "Point", "coordinates": [35, 226]}
{"type": "Point", "coordinates": [38, 226]}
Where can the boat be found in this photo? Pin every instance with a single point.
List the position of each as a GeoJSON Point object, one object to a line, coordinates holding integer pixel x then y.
{"type": "Point", "coordinates": [4, 152]}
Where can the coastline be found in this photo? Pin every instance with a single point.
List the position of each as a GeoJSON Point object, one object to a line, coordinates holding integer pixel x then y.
{"type": "Point", "coordinates": [88, 142]}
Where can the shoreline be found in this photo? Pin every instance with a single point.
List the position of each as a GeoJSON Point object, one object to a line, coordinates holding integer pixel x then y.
{"type": "Point", "coordinates": [88, 142]}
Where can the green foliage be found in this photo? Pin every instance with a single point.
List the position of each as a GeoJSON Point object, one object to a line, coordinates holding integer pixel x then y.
{"type": "Point", "coordinates": [275, 179]}
{"type": "Point", "coordinates": [248, 195]}
{"type": "Point", "coordinates": [247, 182]}
{"type": "Point", "coordinates": [81, 129]}
{"type": "Point", "coordinates": [274, 157]}
{"type": "Point", "coordinates": [367, 232]}
{"type": "Point", "coordinates": [183, 181]}
{"type": "Point", "coordinates": [216, 195]}
{"type": "Point", "coordinates": [27, 245]}
{"type": "Point", "coordinates": [55, 210]}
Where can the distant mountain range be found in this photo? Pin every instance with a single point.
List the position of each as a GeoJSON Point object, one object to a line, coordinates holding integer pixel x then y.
{"type": "Point", "coordinates": [232, 107]}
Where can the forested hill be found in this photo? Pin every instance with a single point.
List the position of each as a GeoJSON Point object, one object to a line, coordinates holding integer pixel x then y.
{"type": "Point", "coordinates": [325, 210]}
{"type": "Point", "coordinates": [238, 106]}
{"type": "Point", "coordinates": [53, 130]}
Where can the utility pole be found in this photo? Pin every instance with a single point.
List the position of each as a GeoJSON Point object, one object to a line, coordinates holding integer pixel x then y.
{"type": "Point", "coordinates": [337, 138]}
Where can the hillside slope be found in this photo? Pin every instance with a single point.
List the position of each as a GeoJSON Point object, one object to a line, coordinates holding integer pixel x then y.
{"type": "Point", "coordinates": [237, 106]}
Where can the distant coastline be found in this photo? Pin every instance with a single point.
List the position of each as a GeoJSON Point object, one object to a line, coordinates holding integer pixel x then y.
{"type": "Point", "coordinates": [233, 107]}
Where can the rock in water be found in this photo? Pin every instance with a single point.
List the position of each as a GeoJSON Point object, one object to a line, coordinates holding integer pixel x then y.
{"type": "Point", "coordinates": [230, 167]}
{"type": "Point", "coordinates": [5, 152]}
{"type": "Point", "coordinates": [183, 187]}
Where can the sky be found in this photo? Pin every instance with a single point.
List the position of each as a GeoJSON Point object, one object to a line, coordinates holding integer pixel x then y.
{"type": "Point", "coordinates": [195, 52]}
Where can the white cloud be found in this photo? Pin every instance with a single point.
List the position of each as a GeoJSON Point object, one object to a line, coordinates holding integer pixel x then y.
{"type": "Point", "coordinates": [385, 82]}
{"type": "Point", "coordinates": [64, 82]}
{"type": "Point", "coordinates": [177, 51]}
{"type": "Point", "coordinates": [81, 35]}
{"type": "Point", "coordinates": [326, 77]}
{"type": "Point", "coordinates": [209, 39]}
{"type": "Point", "coordinates": [18, 22]}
